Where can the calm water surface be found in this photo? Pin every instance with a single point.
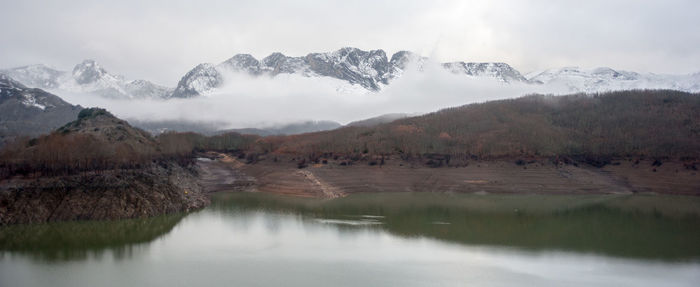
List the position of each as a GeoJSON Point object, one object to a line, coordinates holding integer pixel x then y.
{"type": "Point", "coordinates": [372, 240]}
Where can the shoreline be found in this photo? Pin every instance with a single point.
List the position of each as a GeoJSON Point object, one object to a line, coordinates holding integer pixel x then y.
{"type": "Point", "coordinates": [282, 175]}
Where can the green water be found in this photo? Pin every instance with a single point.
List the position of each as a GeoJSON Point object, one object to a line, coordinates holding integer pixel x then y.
{"type": "Point", "coordinates": [407, 239]}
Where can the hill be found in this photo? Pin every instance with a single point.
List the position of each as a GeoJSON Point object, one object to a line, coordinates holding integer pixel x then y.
{"type": "Point", "coordinates": [96, 167]}
{"type": "Point", "coordinates": [618, 124]}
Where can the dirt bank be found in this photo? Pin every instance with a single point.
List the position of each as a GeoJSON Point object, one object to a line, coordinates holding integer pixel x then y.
{"type": "Point", "coordinates": [281, 175]}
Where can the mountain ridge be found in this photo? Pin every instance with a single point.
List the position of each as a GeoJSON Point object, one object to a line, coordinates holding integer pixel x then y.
{"type": "Point", "coordinates": [354, 69]}
{"type": "Point", "coordinates": [372, 70]}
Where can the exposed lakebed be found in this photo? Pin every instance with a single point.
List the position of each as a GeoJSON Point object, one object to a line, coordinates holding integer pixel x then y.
{"type": "Point", "coordinates": [379, 239]}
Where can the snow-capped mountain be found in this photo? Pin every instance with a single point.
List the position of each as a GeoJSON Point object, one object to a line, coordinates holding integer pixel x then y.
{"type": "Point", "coordinates": [30, 111]}
{"type": "Point", "coordinates": [348, 70]}
{"type": "Point", "coordinates": [370, 70]}
{"type": "Point", "coordinates": [201, 79]}
{"type": "Point", "coordinates": [86, 77]}
{"type": "Point", "coordinates": [575, 79]}
{"type": "Point", "coordinates": [356, 67]}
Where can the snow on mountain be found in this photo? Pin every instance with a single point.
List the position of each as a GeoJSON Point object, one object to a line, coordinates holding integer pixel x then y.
{"type": "Point", "coordinates": [278, 63]}
{"type": "Point", "coordinates": [39, 76]}
{"type": "Point", "coordinates": [403, 60]}
{"type": "Point", "coordinates": [201, 79]}
{"type": "Point", "coordinates": [367, 70]}
{"type": "Point", "coordinates": [11, 89]}
{"type": "Point", "coordinates": [500, 71]}
{"type": "Point", "coordinates": [30, 111]}
{"type": "Point", "coordinates": [575, 79]}
{"type": "Point", "coordinates": [351, 69]}
{"type": "Point", "coordinates": [86, 77]}
{"type": "Point", "coordinates": [241, 63]}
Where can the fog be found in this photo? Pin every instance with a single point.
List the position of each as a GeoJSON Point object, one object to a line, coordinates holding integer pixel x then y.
{"type": "Point", "coordinates": [247, 101]}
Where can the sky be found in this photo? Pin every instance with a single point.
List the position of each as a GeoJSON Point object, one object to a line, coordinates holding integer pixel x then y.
{"type": "Point", "coordinates": [160, 40]}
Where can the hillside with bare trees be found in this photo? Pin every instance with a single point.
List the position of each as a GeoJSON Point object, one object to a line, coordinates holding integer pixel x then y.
{"type": "Point", "coordinates": [656, 124]}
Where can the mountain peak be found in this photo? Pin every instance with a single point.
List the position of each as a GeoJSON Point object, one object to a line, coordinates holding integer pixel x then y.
{"type": "Point", "coordinates": [242, 62]}
{"type": "Point", "coordinates": [366, 68]}
{"type": "Point", "coordinates": [273, 59]}
{"type": "Point", "coordinates": [88, 71]}
{"type": "Point", "coordinates": [201, 78]}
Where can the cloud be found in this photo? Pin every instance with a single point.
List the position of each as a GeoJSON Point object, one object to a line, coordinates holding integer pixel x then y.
{"type": "Point", "coordinates": [247, 101]}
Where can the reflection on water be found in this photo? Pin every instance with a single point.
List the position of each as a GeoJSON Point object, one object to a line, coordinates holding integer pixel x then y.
{"type": "Point", "coordinates": [650, 227]}
{"type": "Point", "coordinates": [248, 239]}
{"type": "Point", "coordinates": [79, 240]}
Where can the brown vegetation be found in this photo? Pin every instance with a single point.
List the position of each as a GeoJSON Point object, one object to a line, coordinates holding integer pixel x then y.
{"type": "Point", "coordinates": [97, 142]}
{"type": "Point", "coordinates": [657, 124]}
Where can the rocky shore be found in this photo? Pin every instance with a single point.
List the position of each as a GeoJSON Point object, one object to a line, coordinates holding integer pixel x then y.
{"type": "Point", "coordinates": [106, 195]}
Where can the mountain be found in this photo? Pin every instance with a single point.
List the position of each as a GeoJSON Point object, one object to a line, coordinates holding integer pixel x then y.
{"type": "Point", "coordinates": [86, 77]}
{"type": "Point", "coordinates": [575, 79]}
{"type": "Point", "coordinates": [30, 112]}
{"type": "Point", "coordinates": [350, 69]}
{"type": "Point", "coordinates": [370, 70]}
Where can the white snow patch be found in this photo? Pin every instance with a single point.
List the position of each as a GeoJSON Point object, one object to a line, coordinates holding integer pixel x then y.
{"type": "Point", "coordinates": [30, 101]}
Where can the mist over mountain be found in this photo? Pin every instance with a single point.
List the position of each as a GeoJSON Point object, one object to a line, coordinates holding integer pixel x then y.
{"type": "Point", "coordinates": [373, 71]}
{"type": "Point", "coordinates": [346, 85]}
{"type": "Point", "coordinates": [351, 70]}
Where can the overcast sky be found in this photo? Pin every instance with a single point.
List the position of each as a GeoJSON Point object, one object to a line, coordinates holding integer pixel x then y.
{"type": "Point", "coordinates": [161, 40]}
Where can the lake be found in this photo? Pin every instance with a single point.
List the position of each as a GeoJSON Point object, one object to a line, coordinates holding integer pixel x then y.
{"type": "Point", "coordinates": [406, 239]}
